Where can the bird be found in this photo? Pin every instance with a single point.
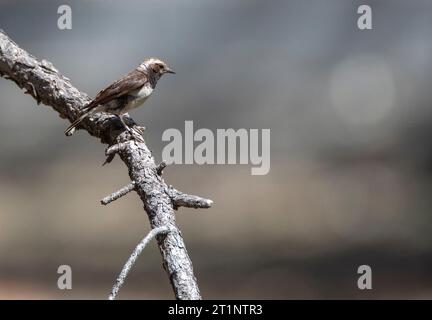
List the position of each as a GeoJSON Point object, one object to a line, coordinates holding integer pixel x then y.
{"type": "Point", "coordinates": [127, 93]}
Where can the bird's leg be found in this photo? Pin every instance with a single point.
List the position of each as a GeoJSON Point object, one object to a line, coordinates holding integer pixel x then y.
{"type": "Point", "coordinates": [135, 135]}
{"type": "Point", "coordinates": [120, 116]}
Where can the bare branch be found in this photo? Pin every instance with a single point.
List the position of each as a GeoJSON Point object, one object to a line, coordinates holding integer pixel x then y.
{"type": "Point", "coordinates": [111, 151]}
{"type": "Point", "coordinates": [118, 194]}
{"type": "Point", "coordinates": [47, 85]}
{"type": "Point", "coordinates": [161, 166]}
{"type": "Point", "coordinates": [109, 159]}
{"type": "Point", "coordinates": [119, 147]}
{"type": "Point", "coordinates": [181, 199]}
{"type": "Point", "coordinates": [134, 256]}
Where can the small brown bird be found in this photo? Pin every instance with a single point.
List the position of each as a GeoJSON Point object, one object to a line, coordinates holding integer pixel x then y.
{"type": "Point", "coordinates": [127, 93]}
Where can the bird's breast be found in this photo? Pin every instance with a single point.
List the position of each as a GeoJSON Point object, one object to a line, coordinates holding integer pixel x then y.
{"type": "Point", "coordinates": [144, 92]}
{"type": "Point", "coordinates": [139, 96]}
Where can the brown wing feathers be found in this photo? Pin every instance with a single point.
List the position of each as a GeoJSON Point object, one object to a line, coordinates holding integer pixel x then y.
{"type": "Point", "coordinates": [132, 81]}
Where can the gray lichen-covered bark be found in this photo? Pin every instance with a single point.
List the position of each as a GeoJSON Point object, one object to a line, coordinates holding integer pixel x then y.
{"type": "Point", "coordinates": [43, 81]}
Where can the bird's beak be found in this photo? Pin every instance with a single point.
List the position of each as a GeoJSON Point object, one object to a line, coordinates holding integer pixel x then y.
{"type": "Point", "coordinates": [168, 70]}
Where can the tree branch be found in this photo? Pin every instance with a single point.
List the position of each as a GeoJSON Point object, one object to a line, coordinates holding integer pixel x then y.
{"type": "Point", "coordinates": [181, 199]}
{"type": "Point", "coordinates": [160, 167]}
{"type": "Point", "coordinates": [134, 256]}
{"type": "Point", "coordinates": [118, 194]}
{"type": "Point", "coordinates": [43, 81]}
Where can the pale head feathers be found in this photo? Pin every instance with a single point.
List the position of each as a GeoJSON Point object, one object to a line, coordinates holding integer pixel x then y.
{"type": "Point", "coordinates": [156, 65]}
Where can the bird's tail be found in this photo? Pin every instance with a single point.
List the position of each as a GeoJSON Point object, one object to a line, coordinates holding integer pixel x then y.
{"type": "Point", "coordinates": [69, 129]}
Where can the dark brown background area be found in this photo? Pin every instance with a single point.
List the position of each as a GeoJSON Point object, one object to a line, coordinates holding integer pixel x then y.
{"type": "Point", "coordinates": [350, 118]}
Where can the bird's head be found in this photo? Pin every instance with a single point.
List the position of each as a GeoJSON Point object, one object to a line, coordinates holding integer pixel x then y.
{"type": "Point", "coordinates": [157, 67]}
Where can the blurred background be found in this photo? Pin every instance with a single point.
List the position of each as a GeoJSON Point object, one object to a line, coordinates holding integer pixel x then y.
{"type": "Point", "coordinates": [351, 162]}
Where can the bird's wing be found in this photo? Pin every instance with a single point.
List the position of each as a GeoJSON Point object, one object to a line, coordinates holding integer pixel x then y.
{"type": "Point", "coordinates": [132, 81]}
